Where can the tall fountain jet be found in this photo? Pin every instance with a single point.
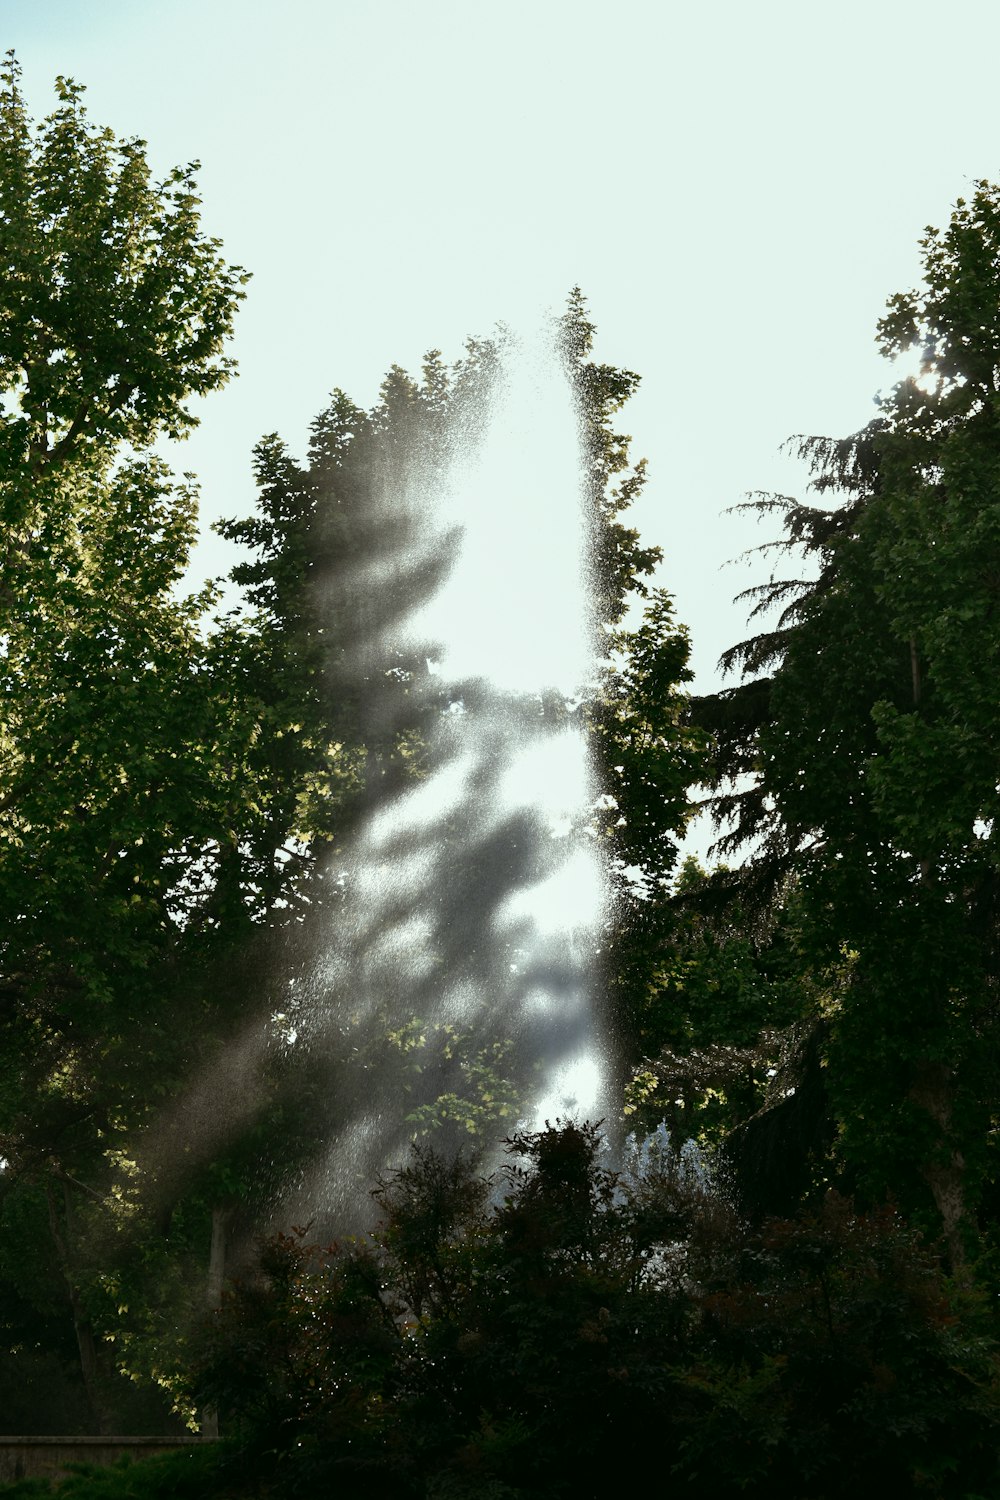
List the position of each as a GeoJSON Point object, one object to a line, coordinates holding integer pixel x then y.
{"type": "Point", "coordinates": [473, 892]}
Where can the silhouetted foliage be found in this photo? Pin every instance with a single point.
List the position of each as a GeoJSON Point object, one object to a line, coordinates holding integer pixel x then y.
{"type": "Point", "coordinates": [516, 1338]}
{"type": "Point", "coordinates": [857, 764]}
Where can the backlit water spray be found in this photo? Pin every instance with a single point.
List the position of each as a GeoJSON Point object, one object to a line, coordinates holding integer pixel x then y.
{"type": "Point", "coordinates": [474, 895]}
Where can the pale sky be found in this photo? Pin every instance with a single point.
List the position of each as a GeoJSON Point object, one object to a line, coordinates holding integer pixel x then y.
{"type": "Point", "coordinates": [737, 188]}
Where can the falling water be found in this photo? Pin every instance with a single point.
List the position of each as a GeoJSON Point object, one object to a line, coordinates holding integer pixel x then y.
{"type": "Point", "coordinates": [474, 895]}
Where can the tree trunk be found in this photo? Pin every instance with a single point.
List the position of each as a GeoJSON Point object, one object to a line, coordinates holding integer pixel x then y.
{"type": "Point", "coordinates": [82, 1326]}
{"type": "Point", "coordinates": [213, 1296]}
{"type": "Point", "coordinates": [945, 1173]}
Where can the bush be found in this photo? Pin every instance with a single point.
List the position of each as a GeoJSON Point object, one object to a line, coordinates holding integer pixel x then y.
{"type": "Point", "coordinates": [550, 1332]}
{"type": "Point", "coordinates": [209, 1473]}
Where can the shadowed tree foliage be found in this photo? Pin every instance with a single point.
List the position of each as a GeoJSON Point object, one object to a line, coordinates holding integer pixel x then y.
{"type": "Point", "coordinates": [122, 762]}
{"type": "Point", "coordinates": [343, 557]}
{"type": "Point", "coordinates": [172, 782]}
{"type": "Point", "coordinates": [861, 753]}
{"type": "Point", "coordinates": [515, 1342]}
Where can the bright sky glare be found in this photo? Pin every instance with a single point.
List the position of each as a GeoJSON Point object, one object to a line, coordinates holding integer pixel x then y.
{"type": "Point", "coordinates": [737, 188]}
{"type": "Point", "coordinates": [515, 607]}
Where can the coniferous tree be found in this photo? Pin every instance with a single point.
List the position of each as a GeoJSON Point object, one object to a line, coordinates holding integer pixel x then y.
{"type": "Point", "coordinates": [862, 753]}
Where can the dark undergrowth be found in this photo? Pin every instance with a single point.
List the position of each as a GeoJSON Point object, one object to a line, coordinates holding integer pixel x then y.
{"type": "Point", "coordinates": [568, 1328]}
{"type": "Point", "coordinates": [215, 1473]}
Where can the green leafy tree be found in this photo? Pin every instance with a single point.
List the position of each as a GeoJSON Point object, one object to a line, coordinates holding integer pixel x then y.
{"type": "Point", "coordinates": [718, 1019]}
{"type": "Point", "coordinates": [863, 751]}
{"type": "Point", "coordinates": [122, 762]}
{"type": "Point", "coordinates": [168, 785]}
{"type": "Point", "coordinates": [338, 560]}
{"type": "Point", "coordinates": [115, 306]}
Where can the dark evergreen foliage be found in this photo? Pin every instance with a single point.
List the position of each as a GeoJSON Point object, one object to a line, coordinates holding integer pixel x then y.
{"type": "Point", "coordinates": [860, 755]}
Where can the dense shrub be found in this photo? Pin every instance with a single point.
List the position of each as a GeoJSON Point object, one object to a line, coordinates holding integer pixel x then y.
{"type": "Point", "coordinates": [549, 1332]}
{"type": "Point", "coordinates": [189, 1474]}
